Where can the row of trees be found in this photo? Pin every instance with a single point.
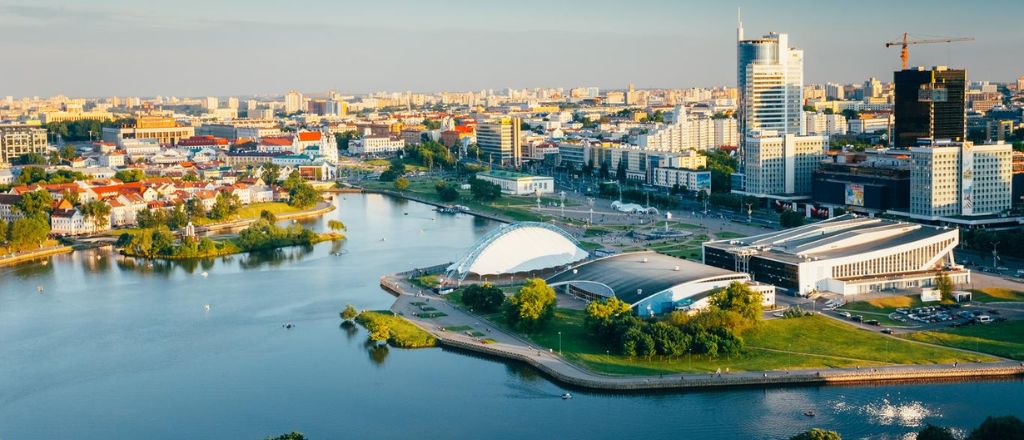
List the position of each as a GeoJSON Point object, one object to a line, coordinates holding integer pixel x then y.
{"type": "Point", "coordinates": [24, 233]}
{"type": "Point", "coordinates": [85, 129]}
{"type": "Point", "coordinates": [528, 310]}
{"type": "Point", "coordinates": [56, 157]}
{"type": "Point", "coordinates": [30, 175]}
{"type": "Point", "coordinates": [712, 332]}
{"type": "Point", "coordinates": [446, 191]}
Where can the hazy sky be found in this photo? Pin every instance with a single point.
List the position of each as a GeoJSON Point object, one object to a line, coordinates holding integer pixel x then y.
{"type": "Point", "coordinates": [235, 47]}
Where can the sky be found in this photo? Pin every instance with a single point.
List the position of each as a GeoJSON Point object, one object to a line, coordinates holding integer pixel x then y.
{"type": "Point", "coordinates": [251, 47]}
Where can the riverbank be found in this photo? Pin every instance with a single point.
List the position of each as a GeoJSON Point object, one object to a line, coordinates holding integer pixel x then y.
{"type": "Point", "coordinates": [494, 341]}
{"type": "Point", "coordinates": [426, 201]}
{"type": "Point", "coordinates": [316, 211]}
{"type": "Point", "coordinates": [36, 254]}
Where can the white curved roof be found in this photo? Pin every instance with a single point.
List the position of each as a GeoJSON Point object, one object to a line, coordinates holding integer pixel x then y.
{"type": "Point", "coordinates": [519, 247]}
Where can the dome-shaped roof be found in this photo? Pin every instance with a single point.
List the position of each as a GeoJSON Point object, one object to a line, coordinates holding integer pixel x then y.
{"type": "Point", "coordinates": [519, 247]}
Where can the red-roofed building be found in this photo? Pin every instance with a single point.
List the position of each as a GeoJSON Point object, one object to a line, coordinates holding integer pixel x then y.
{"type": "Point", "coordinates": [196, 143]}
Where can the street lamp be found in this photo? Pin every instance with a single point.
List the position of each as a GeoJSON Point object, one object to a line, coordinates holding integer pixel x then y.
{"type": "Point", "coordinates": [561, 196]}
{"type": "Point", "coordinates": [559, 342]}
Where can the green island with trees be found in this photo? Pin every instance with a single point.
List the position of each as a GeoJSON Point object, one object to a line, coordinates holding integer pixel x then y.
{"type": "Point", "coordinates": [160, 242]}
{"type": "Point", "coordinates": [385, 326]}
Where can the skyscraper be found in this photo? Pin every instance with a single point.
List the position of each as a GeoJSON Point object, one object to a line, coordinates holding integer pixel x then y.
{"type": "Point", "coordinates": [293, 102]}
{"type": "Point", "coordinates": [775, 158]}
{"type": "Point", "coordinates": [929, 104]}
{"type": "Point", "coordinates": [770, 77]}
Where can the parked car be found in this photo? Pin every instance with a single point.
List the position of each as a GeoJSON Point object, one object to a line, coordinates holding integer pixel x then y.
{"type": "Point", "coordinates": [983, 319]}
{"type": "Point", "coordinates": [857, 318]}
{"type": "Point", "coordinates": [887, 331]}
{"type": "Point", "coordinates": [845, 314]}
{"type": "Point", "coordinates": [872, 322]}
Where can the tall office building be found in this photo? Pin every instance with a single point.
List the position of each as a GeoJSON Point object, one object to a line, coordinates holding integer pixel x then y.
{"type": "Point", "coordinates": [770, 79]}
{"type": "Point", "coordinates": [776, 158]}
{"type": "Point", "coordinates": [210, 103]}
{"type": "Point", "coordinates": [929, 105]}
{"type": "Point", "coordinates": [500, 141]}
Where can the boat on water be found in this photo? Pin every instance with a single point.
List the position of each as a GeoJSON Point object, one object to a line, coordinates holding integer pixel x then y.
{"type": "Point", "coordinates": [809, 413]}
{"type": "Point", "coordinates": [566, 396]}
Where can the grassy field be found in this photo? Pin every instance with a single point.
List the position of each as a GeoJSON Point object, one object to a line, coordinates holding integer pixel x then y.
{"type": "Point", "coordinates": [252, 211]}
{"type": "Point", "coordinates": [995, 294]}
{"type": "Point", "coordinates": [403, 333]}
{"type": "Point", "coordinates": [1004, 339]}
{"type": "Point", "coordinates": [803, 343]}
{"type": "Point", "coordinates": [725, 235]}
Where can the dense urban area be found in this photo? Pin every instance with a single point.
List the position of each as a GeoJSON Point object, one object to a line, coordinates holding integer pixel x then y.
{"type": "Point", "coordinates": [770, 232]}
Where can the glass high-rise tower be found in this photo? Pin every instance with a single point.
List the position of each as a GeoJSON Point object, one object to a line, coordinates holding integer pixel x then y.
{"type": "Point", "coordinates": [930, 104]}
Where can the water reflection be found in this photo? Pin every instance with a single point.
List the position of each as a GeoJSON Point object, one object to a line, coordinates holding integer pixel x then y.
{"type": "Point", "coordinates": [349, 329]}
{"type": "Point", "coordinates": [378, 353]}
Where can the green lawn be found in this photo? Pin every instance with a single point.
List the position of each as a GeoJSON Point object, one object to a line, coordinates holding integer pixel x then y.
{"type": "Point", "coordinates": [403, 333]}
{"type": "Point", "coordinates": [725, 235]}
{"type": "Point", "coordinates": [803, 343]}
{"type": "Point", "coordinates": [252, 211]}
{"type": "Point", "coordinates": [994, 294]}
{"type": "Point", "coordinates": [1004, 339]}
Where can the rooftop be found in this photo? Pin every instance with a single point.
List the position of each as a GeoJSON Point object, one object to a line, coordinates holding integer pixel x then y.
{"type": "Point", "coordinates": [502, 174]}
{"type": "Point", "coordinates": [635, 276]}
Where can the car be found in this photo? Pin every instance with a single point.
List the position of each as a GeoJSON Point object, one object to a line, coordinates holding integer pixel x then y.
{"type": "Point", "coordinates": [872, 322]}
{"type": "Point", "coordinates": [1002, 268]}
{"type": "Point", "coordinates": [887, 331]}
{"type": "Point", "coordinates": [857, 318]}
{"type": "Point", "coordinates": [903, 311]}
{"type": "Point", "coordinates": [844, 314]}
{"type": "Point", "coordinates": [983, 319]}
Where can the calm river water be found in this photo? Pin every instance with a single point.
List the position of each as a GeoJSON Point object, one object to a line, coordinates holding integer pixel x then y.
{"type": "Point", "coordinates": [113, 348]}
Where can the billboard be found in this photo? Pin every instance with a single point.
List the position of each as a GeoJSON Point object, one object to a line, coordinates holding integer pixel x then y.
{"type": "Point", "coordinates": [854, 194]}
{"type": "Point", "coordinates": [967, 180]}
{"type": "Point", "coordinates": [703, 181]}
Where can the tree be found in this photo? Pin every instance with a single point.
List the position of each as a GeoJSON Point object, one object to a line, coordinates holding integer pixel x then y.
{"type": "Point", "coordinates": [817, 434]}
{"type": "Point", "coordinates": [303, 196]}
{"type": "Point", "coordinates": [349, 313]}
{"type": "Point", "coordinates": [225, 206]}
{"type": "Point", "coordinates": [945, 286]}
{"type": "Point", "coordinates": [483, 190]}
{"type": "Point", "coordinates": [532, 306]}
{"type": "Point", "coordinates": [97, 211]}
{"type": "Point", "coordinates": [270, 173]}
{"type": "Point", "coordinates": [401, 184]}
{"type": "Point", "coordinates": [999, 428]}
{"type": "Point", "coordinates": [336, 225]}
{"type": "Point", "coordinates": [601, 314]}
{"type": "Point", "coordinates": [448, 194]}
{"type": "Point", "coordinates": [195, 209]}
{"type": "Point", "coordinates": [791, 219]}
{"type": "Point", "coordinates": [3, 231]}
{"type": "Point", "coordinates": [128, 176]}
{"type": "Point", "coordinates": [380, 333]}
{"type": "Point", "coordinates": [739, 298]}
{"type": "Point", "coordinates": [483, 298]}
{"type": "Point", "coordinates": [30, 175]}
{"type": "Point", "coordinates": [35, 203]}
{"type": "Point", "coordinates": [932, 432]}
{"type": "Point", "coordinates": [293, 180]}
{"type": "Point", "coordinates": [268, 216]}
{"type": "Point", "coordinates": [28, 232]}
{"type": "Point", "coordinates": [70, 196]}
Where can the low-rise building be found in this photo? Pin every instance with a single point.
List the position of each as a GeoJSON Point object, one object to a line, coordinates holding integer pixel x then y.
{"type": "Point", "coordinates": [518, 184]}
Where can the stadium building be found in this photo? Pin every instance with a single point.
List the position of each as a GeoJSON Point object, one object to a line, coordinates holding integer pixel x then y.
{"type": "Point", "coordinates": [527, 248]}
{"type": "Point", "coordinates": [650, 282]}
{"type": "Point", "coordinates": [846, 254]}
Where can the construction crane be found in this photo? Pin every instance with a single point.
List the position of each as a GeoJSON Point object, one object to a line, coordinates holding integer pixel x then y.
{"type": "Point", "coordinates": [905, 53]}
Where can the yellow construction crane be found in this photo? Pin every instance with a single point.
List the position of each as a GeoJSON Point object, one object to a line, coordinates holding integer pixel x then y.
{"type": "Point", "coordinates": [905, 53]}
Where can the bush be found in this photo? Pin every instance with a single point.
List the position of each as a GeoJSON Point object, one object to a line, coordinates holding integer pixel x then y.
{"type": "Point", "coordinates": [817, 434]}
{"type": "Point", "coordinates": [483, 190]}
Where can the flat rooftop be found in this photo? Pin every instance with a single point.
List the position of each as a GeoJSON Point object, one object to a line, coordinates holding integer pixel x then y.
{"type": "Point", "coordinates": [842, 236]}
{"type": "Point", "coordinates": [625, 273]}
{"type": "Point", "coordinates": [502, 174]}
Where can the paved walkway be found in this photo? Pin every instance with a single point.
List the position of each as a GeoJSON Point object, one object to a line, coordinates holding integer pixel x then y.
{"type": "Point", "coordinates": [510, 346]}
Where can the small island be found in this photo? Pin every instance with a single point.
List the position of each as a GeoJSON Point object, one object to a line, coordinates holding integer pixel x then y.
{"type": "Point", "coordinates": [160, 242]}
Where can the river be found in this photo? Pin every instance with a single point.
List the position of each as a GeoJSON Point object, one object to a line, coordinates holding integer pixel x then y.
{"type": "Point", "coordinates": [113, 348]}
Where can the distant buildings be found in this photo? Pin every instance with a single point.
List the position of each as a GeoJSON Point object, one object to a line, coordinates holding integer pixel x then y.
{"type": "Point", "coordinates": [929, 104]}
{"type": "Point", "coordinates": [19, 140]}
{"type": "Point", "coordinates": [164, 130]}
{"type": "Point", "coordinates": [293, 102]}
{"type": "Point", "coordinates": [777, 164]}
{"type": "Point", "coordinates": [376, 145]}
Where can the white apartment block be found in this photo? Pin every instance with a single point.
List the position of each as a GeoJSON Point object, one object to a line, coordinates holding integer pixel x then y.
{"type": "Point", "coordinates": [690, 180]}
{"type": "Point", "coordinates": [950, 180]}
{"type": "Point", "coordinates": [781, 165]}
{"type": "Point", "coordinates": [377, 145]}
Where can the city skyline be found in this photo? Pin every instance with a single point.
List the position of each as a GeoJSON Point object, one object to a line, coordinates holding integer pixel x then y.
{"type": "Point", "coordinates": [116, 48]}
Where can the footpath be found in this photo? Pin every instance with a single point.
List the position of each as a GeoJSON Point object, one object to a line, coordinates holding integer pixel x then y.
{"type": "Point", "coordinates": [489, 339]}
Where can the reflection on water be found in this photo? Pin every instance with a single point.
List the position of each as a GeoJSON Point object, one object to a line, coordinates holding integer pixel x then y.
{"type": "Point", "coordinates": [121, 347]}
